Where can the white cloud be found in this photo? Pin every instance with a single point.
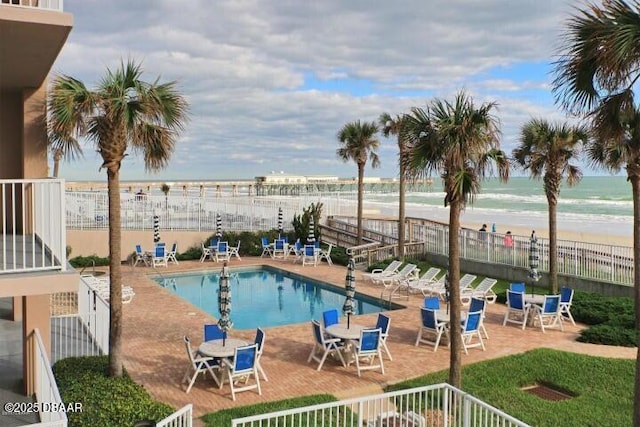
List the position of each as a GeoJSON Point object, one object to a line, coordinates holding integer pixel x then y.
{"type": "Point", "coordinates": [242, 65]}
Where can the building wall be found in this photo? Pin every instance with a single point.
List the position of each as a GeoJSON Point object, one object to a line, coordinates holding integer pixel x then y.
{"type": "Point", "coordinates": [11, 118]}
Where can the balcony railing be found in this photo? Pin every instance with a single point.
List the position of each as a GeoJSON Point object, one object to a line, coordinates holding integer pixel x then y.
{"type": "Point", "coordinates": [37, 4]}
{"type": "Point", "coordinates": [32, 225]}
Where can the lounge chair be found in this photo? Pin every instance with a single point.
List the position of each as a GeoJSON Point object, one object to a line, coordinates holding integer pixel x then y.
{"type": "Point", "coordinates": [390, 270]}
{"type": "Point", "coordinates": [408, 272]}
{"type": "Point", "coordinates": [483, 290]}
{"type": "Point", "coordinates": [425, 281]}
{"type": "Point", "coordinates": [465, 286]}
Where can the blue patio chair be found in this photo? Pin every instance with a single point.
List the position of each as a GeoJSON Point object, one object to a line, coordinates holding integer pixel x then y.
{"type": "Point", "coordinates": [383, 323]}
{"type": "Point", "coordinates": [140, 257]}
{"type": "Point", "coordinates": [330, 317]}
{"type": "Point", "coordinates": [548, 315]}
{"type": "Point", "coordinates": [213, 332]}
{"type": "Point", "coordinates": [310, 255]}
{"type": "Point", "coordinates": [213, 243]}
{"type": "Point", "coordinates": [279, 249]}
{"type": "Point", "coordinates": [267, 248]}
{"type": "Point", "coordinates": [517, 287]}
{"type": "Point", "coordinates": [478, 304]}
{"type": "Point", "coordinates": [259, 341]}
{"type": "Point", "coordinates": [324, 347]}
{"type": "Point", "coordinates": [198, 364]}
{"type": "Point", "coordinates": [517, 309]}
{"type": "Point", "coordinates": [368, 348]}
{"type": "Point", "coordinates": [431, 325]}
{"type": "Point", "coordinates": [159, 257]}
{"type": "Point", "coordinates": [432, 302]}
{"type": "Point", "coordinates": [470, 329]}
{"type": "Point", "coordinates": [206, 253]}
{"type": "Point", "coordinates": [222, 253]}
{"type": "Point", "coordinates": [243, 367]}
{"type": "Point", "coordinates": [566, 298]}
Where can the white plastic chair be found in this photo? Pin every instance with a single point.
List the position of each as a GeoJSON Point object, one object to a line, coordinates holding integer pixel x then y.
{"type": "Point", "coordinates": [326, 255]}
{"type": "Point", "coordinates": [548, 314]}
{"type": "Point", "coordinates": [140, 257]}
{"type": "Point", "coordinates": [235, 251]}
{"type": "Point", "coordinates": [171, 255]}
{"type": "Point", "coordinates": [309, 255]}
{"type": "Point", "coordinates": [566, 298]}
{"type": "Point", "coordinates": [470, 329]}
{"type": "Point", "coordinates": [222, 253]}
{"type": "Point", "coordinates": [159, 257]}
{"type": "Point", "coordinates": [517, 309]}
{"type": "Point", "coordinates": [198, 364]}
{"type": "Point", "coordinates": [242, 368]}
{"type": "Point", "coordinates": [369, 348]}
{"type": "Point", "coordinates": [323, 347]}
{"type": "Point", "coordinates": [390, 270]}
{"type": "Point", "coordinates": [429, 324]}
{"type": "Point", "coordinates": [206, 253]}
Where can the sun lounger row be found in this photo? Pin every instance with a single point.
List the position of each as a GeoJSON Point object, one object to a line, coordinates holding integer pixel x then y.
{"type": "Point", "coordinates": [102, 288]}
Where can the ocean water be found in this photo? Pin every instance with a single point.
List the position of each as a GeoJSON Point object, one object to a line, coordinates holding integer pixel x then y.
{"type": "Point", "coordinates": [600, 205]}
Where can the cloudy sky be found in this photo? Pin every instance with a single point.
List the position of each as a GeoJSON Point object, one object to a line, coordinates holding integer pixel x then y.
{"type": "Point", "coordinates": [270, 82]}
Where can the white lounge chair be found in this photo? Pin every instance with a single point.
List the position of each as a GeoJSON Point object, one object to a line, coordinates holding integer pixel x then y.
{"type": "Point", "coordinates": [390, 270]}
{"type": "Point", "coordinates": [425, 281]}
{"type": "Point", "coordinates": [408, 272]}
{"type": "Point", "coordinates": [465, 284]}
{"type": "Point", "coordinates": [482, 291]}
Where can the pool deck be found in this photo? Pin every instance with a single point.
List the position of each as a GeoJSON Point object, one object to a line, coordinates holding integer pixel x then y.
{"type": "Point", "coordinates": [156, 321]}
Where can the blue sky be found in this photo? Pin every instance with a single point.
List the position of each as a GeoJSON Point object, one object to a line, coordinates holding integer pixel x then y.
{"type": "Point", "coordinates": [270, 82]}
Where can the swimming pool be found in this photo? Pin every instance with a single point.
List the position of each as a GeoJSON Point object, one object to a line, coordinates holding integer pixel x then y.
{"type": "Point", "coordinates": [265, 296]}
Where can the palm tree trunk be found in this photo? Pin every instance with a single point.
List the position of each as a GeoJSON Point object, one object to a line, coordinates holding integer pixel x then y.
{"type": "Point", "coordinates": [553, 245]}
{"type": "Point", "coordinates": [401, 211]}
{"type": "Point", "coordinates": [455, 361]}
{"type": "Point", "coordinates": [115, 275]}
{"type": "Point", "coordinates": [360, 197]}
{"type": "Point", "coordinates": [57, 156]}
{"type": "Point", "coordinates": [635, 185]}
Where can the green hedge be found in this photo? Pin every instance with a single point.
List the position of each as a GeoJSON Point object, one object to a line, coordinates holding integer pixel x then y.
{"type": "Point", "coordinates": [106, 401]}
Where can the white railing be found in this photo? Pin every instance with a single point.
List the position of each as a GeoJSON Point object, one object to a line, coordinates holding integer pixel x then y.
{"type": "Point", "coordinates": [89, 211]}
{"type": "Point", "coordinates": [85, 332]}
{"type": "Point", "coordinates": [435, 405]}
{"type": "Point", "coordinates": [46, 387]}
{"type": "Point", "coordinates": [183, 417]}
{"type": "Point", "coordinates": [33, 235]}
{"type": "Point", "coordinates": [594, 261]}
{"type": "Point", "coordinates": [38, 4]}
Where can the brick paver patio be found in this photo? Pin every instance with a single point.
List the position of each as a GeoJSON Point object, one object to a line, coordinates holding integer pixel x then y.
{"type": "Point", "coordinates": [156, 321]}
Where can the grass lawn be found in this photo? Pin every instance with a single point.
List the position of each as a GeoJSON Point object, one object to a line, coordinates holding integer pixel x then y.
{"type": "Point", "coordinates": [603, 388]}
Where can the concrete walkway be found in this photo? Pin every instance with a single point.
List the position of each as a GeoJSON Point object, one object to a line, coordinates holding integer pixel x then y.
{"type": "Point", "coordinates": [156, 321]}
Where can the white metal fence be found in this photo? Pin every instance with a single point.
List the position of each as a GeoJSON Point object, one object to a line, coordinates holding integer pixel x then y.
{"type": "Point", "coordinates": [594, 261]}
{"type": "Point", "coordinates": [183, 417]}
{"type": "Point", "coordinates": [89, 211]}
{"type": "Point", "coordinates": [435, 405]}
{"type": "Point", "coordinates": [46, 387]}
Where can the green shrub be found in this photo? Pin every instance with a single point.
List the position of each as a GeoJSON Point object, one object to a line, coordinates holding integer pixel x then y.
{"type": "Point", "coordinates": [607, 334]}
{"type": "Point", "coordinates": [87, 261]}
{"type": "Point", "coordinates": [106, 401]}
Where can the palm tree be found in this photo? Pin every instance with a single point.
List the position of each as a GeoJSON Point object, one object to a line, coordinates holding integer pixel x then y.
{"type": "Point", "coordinates": [63, 147]}
{"type": "Point", "coordinates": [546, 150]}
{"type": "Point", "coordinates": [359, 143]}
{"type": "Point", "coordinates": [460, 142]}
{"type": "Point", "coordinates": [391, 126]}
{"type": "Point", "coordinates": [123, 112]}
{"type": "Point", "coordinates": [595, 75]}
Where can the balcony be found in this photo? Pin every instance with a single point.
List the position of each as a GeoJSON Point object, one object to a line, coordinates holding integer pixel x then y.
{"type": "Point", "coordinates": [32, 226]}
{"type": "Point", "coordinates": [38, 4]}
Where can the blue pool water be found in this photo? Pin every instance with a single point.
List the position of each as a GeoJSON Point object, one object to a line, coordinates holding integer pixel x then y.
{"type": "Point", "coordinates": [264, 296]}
